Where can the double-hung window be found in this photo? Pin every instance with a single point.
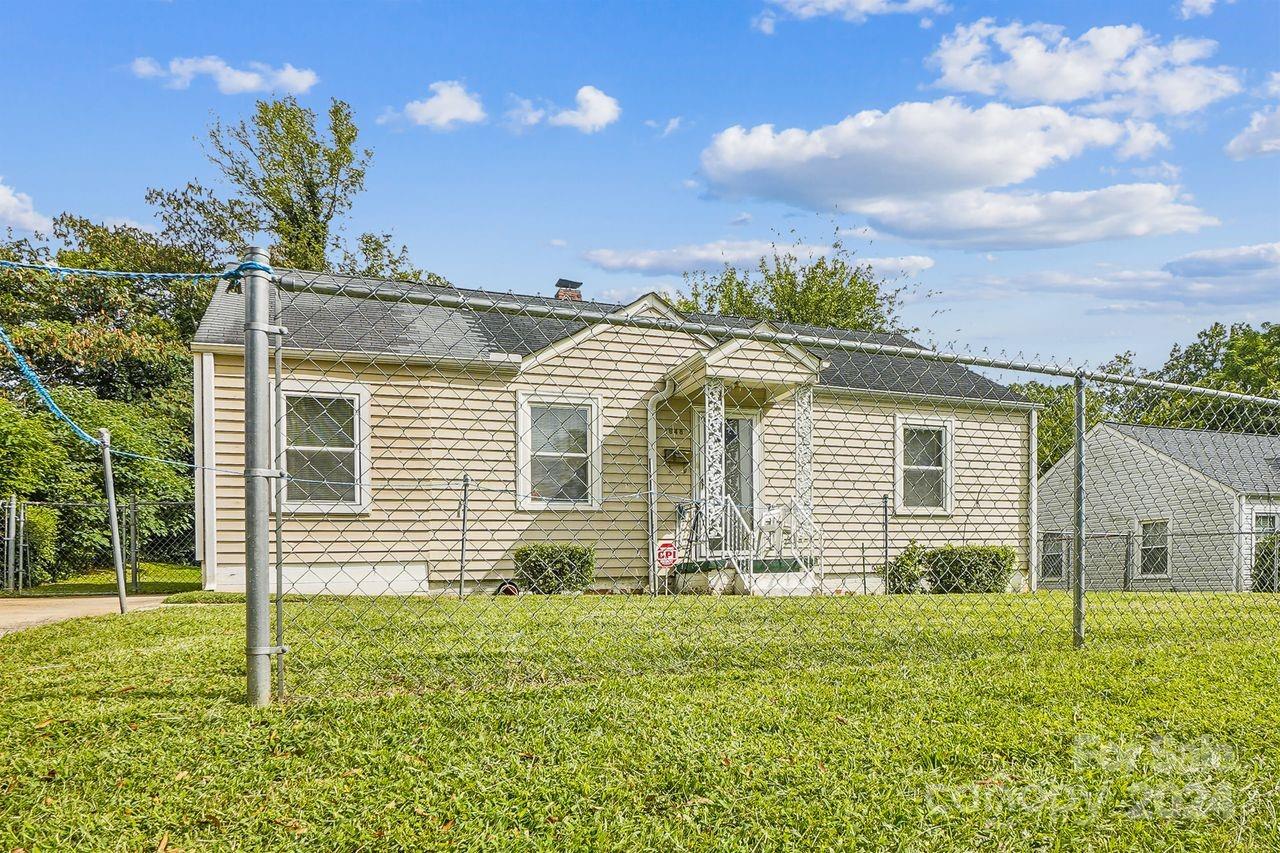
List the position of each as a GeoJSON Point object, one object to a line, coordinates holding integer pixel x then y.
{"type": "Point", "coordinates": [1153, 548]}
{"type": "Point", "coordinates": [1055, 555]}
{"type": "Point", "coordinates": [923, 465]}
{"type": "Point", "coordinates": [324, 432]}
{"type": "Point", "coordinates": [559, 459]}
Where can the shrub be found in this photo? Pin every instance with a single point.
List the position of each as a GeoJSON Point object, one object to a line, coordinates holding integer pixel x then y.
{"type": "Point", "coordinates": [548, 567]}
{"type": "Point", "coordinates": [969, 568]}
{"type": "Point", "coordinates": [41, 530]}
{"type": "Point", "coordinates": [1266, 564]}
{"type": "Point", "coordinates": [904, 572]}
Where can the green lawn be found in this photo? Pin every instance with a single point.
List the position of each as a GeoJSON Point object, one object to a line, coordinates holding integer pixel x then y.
{"type": "Point", "coordinates": [153, 579]}
{"type": "Point", "coordinates": [922, 722]}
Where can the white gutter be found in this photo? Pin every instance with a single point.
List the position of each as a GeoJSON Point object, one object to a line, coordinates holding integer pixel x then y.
{"type": "Point", "coordinates": [651, 423]}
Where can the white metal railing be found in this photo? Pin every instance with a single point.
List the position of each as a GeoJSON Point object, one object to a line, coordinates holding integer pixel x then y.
{"type": "Point", "coordinates": [780, 531]}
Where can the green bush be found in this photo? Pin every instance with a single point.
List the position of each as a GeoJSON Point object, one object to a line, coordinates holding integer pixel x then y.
{"type": "Point", "coordinates": [41, 530]}
{"type": "Point", "coordinates": [969, 568]}
{"type": "Point", "coordinates": [548, 567]}
{"type": "Point", "coordinates": [904, 572]}
{"type": "Point", "coordinates": [1266, 564]}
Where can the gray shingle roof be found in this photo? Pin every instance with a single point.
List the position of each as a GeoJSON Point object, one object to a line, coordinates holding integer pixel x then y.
{"type": "Point", "coordinates": [1246, 462]}
{"type": "Point", "coordinates": [349, 324]}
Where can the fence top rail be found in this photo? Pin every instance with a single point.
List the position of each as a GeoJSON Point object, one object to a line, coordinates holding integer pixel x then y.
{"type": "Point", "coordinates": [576, 312]}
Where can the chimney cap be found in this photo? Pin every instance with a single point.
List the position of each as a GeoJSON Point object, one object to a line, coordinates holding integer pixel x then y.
{"type": "Point", "coordinates": [565, 282]}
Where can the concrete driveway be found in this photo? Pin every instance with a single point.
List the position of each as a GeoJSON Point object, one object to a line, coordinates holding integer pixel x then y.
{"type": "Point", "coordinates": [19, 613]}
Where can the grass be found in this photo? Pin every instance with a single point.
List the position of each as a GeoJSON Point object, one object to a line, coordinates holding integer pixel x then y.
{"type": "Point", "coordinates": [153, 579]}
{"type": "Point", "coordinates": [922, 722]}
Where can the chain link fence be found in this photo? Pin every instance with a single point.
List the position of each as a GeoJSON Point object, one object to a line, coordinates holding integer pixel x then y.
{"type": "Point", "coordinates": [453, 487]}
{"type": "Point", "coordinates": [64, 548]}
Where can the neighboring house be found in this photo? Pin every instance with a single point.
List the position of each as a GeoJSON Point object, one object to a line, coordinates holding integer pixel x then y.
{"type": "Point", "coordinates": [1165, 509]}
{"type": "Point", "coordinates": [598, 434]}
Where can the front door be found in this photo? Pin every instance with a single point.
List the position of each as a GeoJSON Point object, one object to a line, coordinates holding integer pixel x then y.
{"type": "Point", "coordinates": [740, 477]}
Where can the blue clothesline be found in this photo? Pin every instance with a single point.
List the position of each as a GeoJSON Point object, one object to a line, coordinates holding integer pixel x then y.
{"type": "Point", "coordinates": [62, 272]}
{"type": "Point", "coordinates": [33, 379]}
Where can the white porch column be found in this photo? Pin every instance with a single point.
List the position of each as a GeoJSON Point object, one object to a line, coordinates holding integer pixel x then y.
{"type": "Point", "coordinates": [804, 454]}
{"type": "Point", "coordinates": [713, 453]}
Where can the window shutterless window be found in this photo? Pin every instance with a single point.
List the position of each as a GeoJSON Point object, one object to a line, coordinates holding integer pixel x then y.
{"type": "Point", "coordinates": [1153, 552]}
{"type": "Point", "coordinates": [560, 452]}
{"type": "Point", "coordinates": [1054, 555]}
{"type": "Point", "coordinates": [324, 433]}
{"type": "Point", "coordinates": [923, 466]}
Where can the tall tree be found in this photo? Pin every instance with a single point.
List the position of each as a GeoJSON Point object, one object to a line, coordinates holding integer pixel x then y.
{"type": "Point", "coordinates": [832, 289]}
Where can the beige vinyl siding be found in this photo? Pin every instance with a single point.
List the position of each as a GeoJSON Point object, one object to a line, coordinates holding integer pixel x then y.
{"type": "Point", "coordinates": [431, 425]}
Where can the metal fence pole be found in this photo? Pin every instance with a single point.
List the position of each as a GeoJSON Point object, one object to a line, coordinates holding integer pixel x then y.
{"type": "Point", "coordinates": [133, 541]}
{"type": "Point", "coordinates": [113, 519]}
{"type": "Point", "coordinates": [10, 533]}
{"type": "Point", "coordinates": [257, 475]}
{"type": "Point", "coordinates": [884, 528]}
{"type": "Point", "coordinates": [277, 365]}
{"type": "Point", "coordinates": [20, 568]}
{"type": "Point", "coordinates": [462, 550]}
{"type": "Point", "coordinates": [1077, 589]}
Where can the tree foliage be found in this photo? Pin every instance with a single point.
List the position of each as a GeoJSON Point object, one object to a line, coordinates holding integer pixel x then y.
{"type": "Point", "coordinates": [832, 290]}
{"type": "Point", "coordinates": [1238, 358]}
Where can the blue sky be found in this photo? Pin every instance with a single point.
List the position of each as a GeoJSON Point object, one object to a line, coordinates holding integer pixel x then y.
{"type": "Point", "coordinates": [1069, 179]}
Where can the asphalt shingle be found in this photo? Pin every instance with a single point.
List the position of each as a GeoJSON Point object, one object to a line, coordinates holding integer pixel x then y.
{"type": "Point", "coordinates": [1246, 462]}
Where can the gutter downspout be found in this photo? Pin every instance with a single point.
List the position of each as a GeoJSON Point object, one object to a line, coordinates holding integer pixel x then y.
{"type": "Point", "coordinates": [651, 423]}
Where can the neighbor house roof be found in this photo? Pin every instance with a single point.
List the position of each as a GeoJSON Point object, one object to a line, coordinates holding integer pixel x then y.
{"type": "Point", "coordinates": [350, 324]}
{"type": "Point", "coordinates": [1246, 462]}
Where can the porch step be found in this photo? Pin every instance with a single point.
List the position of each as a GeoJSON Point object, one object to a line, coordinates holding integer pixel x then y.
{"type": "Point", "coordinates": [772, 577]}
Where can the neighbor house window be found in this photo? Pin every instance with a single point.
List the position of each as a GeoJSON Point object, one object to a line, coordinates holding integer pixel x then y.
{"type": "Point", "coordinates": [324, 432]}
{"type": "Point", "coordinates": [560, 452]}
{"type": "Point", "coordinates": [924, 466]}
{"type": "Point", "coordinates": [1054, 556]}
{"type": "Point", "coordinates": [1264, 524]}
{"type": "Point", "coordinates": [1153, 551]}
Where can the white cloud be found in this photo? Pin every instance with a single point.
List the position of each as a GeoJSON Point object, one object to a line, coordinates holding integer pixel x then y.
{"type": "Point", "coordinates": [1113, 69]}
{"type": "Point", "coordinates": [255, 77]}
{"type": "Point", "coordinates": [905, 266]}
{"type": "Point", "coordinates": [937, 172]}
{"type": "Point", "coordinates": [1257, 259]}
{"type": "Point", "coordinates": [1162, 171]}
{"type": "Point", "coordinates": [978, 219]}
{"type": "Point", "coordinates": [557, 243]}
{"type": "Point", "coordinates": [594, 111]}
{"type": "Point", "coordinates": [1242, 275]}
{"type": "Point", "coordinates": [743, 218]}
{"type": "Point", "coordinates": [666, 128]}
{"type": "Point", "coordinates": [1262, 136]}
{"type": "Point", "coordinates": [913, 149]}
{"type": "Point", "coordinates": [524, 114]}
{"type": "Point", "coordinates": [450, 105]}
{"type": "Point", "coordinates": [766, 22]}
{"type": "Point", "coordinates": [17, 210]}
{"type": "Point", "coordinates": [1197, 8]}
{"type": "Point", "coordinates": [681, 259]}
{"type": "Point", "coordinates": [855, 11]}
{"type": "Point", "coordinates": [1272, 86]}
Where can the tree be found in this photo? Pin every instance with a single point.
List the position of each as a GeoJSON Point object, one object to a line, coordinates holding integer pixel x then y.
{"type": "Point", "coordinates": [830, 290]}
{"type": "Point", "coordinates": [374, 257]}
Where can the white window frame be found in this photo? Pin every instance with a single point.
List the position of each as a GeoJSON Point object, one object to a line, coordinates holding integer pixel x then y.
{"type": "Point", "coordinates": [1168, 548]}
{"type": "Point", "coordinates": [359, 394]}
{"type": "Point", "coordinates": [1068, 546]}
{"type": "Point", "coordinates": [948, 427]}
{"type": "Point", "coordinates": [525, 401]}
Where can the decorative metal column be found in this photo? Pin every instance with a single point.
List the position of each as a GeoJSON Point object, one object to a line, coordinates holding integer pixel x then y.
{"type": "Point", "coordinates": [713, 454]}
{"type": "Point", "coordinates": [804, 455]}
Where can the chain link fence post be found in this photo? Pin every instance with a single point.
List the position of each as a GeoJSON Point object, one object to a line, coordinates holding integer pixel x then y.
{"type": "Point", "coordinates": [133, 543]}
{"type": "Point", "coordinates": [10, 534]}
{"type": "Point", "coordinates": [258, 472]}
{"type": "Point", "coordinates": [1077, 587]}
{"type": "Point", "coordinates": [113, 518]}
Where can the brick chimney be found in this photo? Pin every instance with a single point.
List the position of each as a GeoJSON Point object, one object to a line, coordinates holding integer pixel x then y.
{"type": "Point", "coordinates": [570, 291]}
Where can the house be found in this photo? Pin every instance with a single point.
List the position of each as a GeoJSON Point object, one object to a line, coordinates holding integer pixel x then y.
{"type": "Point", "coordinates": [1166, 509]}
{"type": "Point", "coordinates": [424, 442]}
